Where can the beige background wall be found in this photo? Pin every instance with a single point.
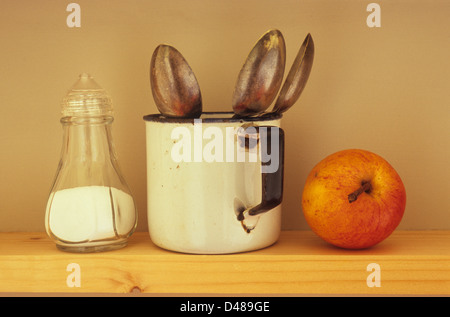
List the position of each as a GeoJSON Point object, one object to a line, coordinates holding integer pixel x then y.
{"type": "Point", "coordinates": [382, 89]}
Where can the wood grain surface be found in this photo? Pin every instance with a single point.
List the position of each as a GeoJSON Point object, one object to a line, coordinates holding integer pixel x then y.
{"type": "Point", "coordinates": [408, 262]}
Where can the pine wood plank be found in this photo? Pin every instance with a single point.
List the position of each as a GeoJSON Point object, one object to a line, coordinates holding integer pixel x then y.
{"type": "Point", "coordinates": [411, 262]}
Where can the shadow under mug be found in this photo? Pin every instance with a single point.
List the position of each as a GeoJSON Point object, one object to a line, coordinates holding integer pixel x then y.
{"type": "Point", "coordinates": [215, 183]}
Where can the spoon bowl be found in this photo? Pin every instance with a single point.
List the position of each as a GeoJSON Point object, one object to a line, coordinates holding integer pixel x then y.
{"type": "Point", "coordinates": [261, 75]}
{"type": "Point", "coordinates": [175, 89]}
{"type": "Point", "coordinates": [297, 77]}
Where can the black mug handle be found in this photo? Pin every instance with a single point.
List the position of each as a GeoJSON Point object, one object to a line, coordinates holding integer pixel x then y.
{"type": "Point", "coordinates": [272, 181]}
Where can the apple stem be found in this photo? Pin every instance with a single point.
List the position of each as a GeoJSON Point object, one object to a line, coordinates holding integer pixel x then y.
{"type": "Point", "coordinates": [366, 187]}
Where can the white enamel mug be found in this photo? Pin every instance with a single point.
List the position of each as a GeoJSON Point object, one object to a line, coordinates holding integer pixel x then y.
{"type": "Point", "coordinates": [214, 184]}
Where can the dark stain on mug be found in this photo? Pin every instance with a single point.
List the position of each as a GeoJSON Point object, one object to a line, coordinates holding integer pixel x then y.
{"type": "Point", "coordinates": [246, 229]}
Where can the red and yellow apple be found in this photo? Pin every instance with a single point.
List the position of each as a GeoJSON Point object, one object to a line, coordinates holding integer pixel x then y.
{"type": "Point", "coordinates": [353, 199]}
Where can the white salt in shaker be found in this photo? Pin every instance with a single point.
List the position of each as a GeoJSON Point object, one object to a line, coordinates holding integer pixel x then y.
{"type": "Point", "coordinates": [90, 207]}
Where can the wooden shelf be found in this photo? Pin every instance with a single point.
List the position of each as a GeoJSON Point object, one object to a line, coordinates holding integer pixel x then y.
{"type": "Point", "coordinates": [300, 263]}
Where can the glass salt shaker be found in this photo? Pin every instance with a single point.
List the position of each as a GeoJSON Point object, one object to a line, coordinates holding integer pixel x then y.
{"type": "Point", "coordinates": [90, 206]}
